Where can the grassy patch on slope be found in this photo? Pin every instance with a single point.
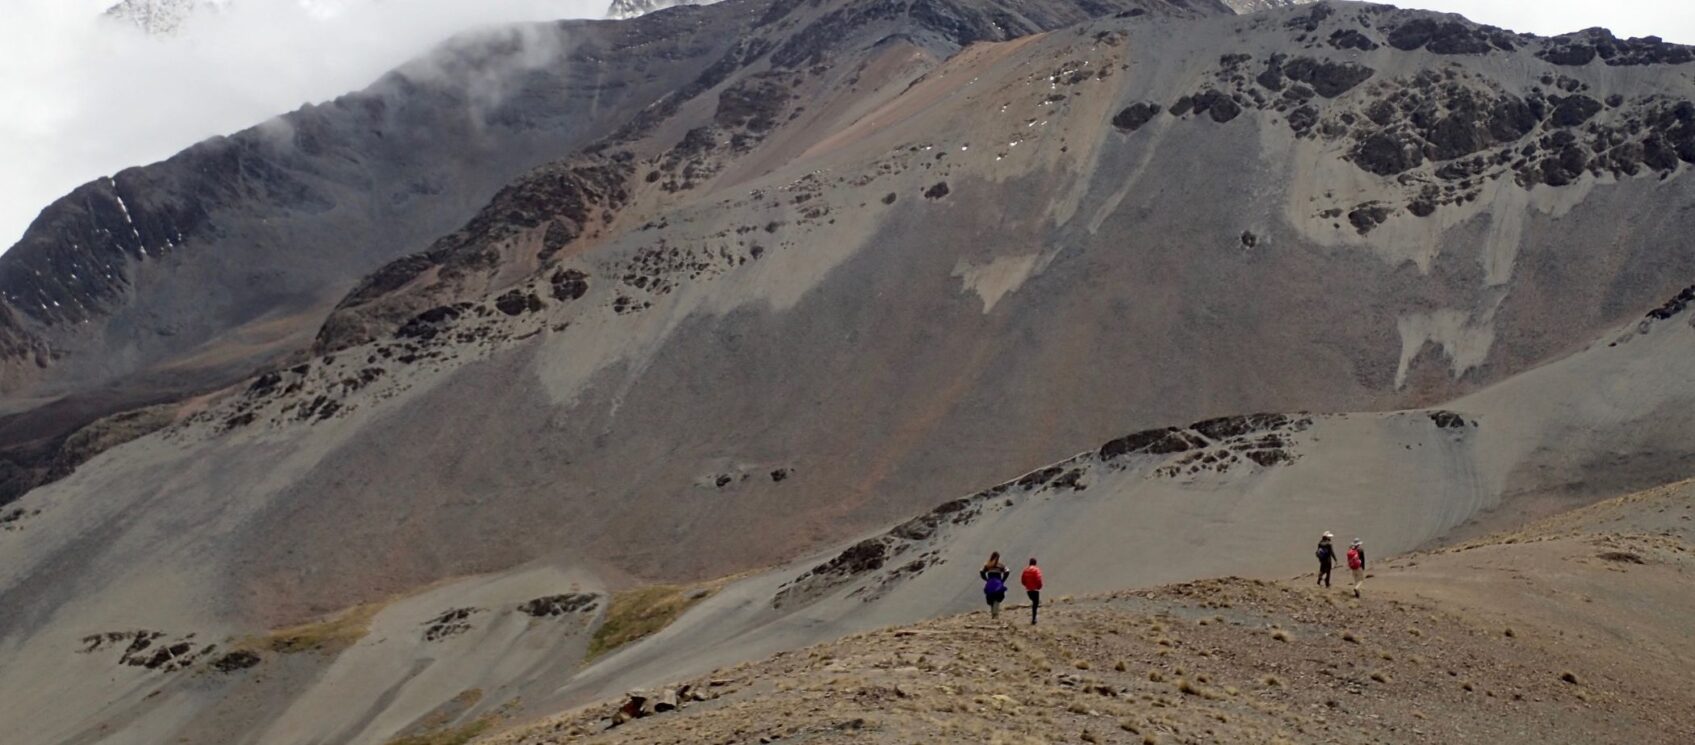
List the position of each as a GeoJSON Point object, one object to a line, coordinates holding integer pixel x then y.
{"type": "Point", "coordinates": [637, 613]}
{"type": "Point", "coordinates": [328, 636]}
{"type": "Point", "coordinates": [447, 735]}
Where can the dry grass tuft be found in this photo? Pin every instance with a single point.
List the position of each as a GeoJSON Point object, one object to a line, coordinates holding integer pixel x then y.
{"type": "Point", "coordinates": [328, 636]}
{"type": "Point", "coordinates": [637, 613]}
{"type": "Point", "coordinates": [447, 735]}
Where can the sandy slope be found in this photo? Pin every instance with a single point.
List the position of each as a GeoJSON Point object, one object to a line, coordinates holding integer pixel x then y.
{"type": "Point", "coordinates": [1078, 283]}
{"type": "Point", "coordinates": [1401, 479]}
{"type": "Point", "coordinates": [1470, 644]}
{"type": "Point", "coordinates": [1123, 520]}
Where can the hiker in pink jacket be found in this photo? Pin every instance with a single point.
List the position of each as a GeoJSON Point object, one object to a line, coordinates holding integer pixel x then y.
{"type": "Point", "coordinates": [1356, 564]}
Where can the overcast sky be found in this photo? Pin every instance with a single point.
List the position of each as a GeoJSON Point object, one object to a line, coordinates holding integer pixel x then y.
{"type": "Point", "coordinates": [85, 98]}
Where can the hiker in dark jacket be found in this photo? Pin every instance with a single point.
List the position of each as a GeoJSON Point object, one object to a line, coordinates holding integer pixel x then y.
{"type": "Point", "coordinates": [994, 575]}
{"type": "Point", "coordinates": [1326, 557]}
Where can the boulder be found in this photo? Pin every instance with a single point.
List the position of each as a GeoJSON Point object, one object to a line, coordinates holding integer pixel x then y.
{"type": "Point", "coordinates": [667, 700]}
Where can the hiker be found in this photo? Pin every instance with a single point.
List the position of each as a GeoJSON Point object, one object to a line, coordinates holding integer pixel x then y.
{"type": "Point", "coordinates": [994, 574]}
{"type": "Point", "coordinates": [1032, 579]}
{"type": "Point", "coordinates": [1326, 557]}
{"type": "Point", "coordinates": [1356, 564]}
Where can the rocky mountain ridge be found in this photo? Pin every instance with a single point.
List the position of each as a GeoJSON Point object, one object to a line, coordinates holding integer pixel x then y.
{"type": "Point", "coordinates": [624, 9]}
{"type": "Point", "coordinates": [810, 272]}
{"type": "Point", "coordinates": [87, 308]}
{"type": "Point", "coordinates": [159, 17]}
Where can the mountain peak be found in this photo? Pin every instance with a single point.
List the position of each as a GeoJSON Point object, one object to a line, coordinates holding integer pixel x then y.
{"type": "Point", "coordinates": [1255, 6]}
{"type": "Point", "coordinates": [622, 9]}
{"type": "Point", "coordinates": [158, 17]}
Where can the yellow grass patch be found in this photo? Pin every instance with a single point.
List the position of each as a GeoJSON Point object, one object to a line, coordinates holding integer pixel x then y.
{"type": "Point", "coordinates": [326, 636]}
{"type": "Point", "coordinates": [447, 735]}
{"type": "Point", "coordinates": [634, 614]}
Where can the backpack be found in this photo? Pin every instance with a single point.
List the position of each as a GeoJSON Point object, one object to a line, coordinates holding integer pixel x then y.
{"type": "Point", "coordinates": [1354, 560]}
{"type": "Point", "coordinates": [997, 583]}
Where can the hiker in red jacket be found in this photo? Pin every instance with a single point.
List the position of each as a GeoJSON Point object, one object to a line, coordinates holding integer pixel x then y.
{"type": "Point", "coordinates": [1356, 564]}
{"type": "Point", "coordinates": [1032, 579]}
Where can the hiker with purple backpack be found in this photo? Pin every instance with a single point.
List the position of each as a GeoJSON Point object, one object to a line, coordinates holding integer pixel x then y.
{"type": "Point", "coordinates": [994, 575]}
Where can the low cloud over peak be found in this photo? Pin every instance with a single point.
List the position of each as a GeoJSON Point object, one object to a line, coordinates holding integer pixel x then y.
{"type": "Point", "coordinates": [87, 94]}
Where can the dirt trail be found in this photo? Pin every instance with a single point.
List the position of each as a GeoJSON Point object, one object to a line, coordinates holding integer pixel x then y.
{"type": "Point", "coordinates": [1533, 636]}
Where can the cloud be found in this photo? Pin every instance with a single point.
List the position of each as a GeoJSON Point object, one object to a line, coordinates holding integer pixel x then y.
{"type": "Point", "coordinates": [85, 96]}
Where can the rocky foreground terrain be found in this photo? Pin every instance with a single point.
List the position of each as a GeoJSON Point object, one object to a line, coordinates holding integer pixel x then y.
{"type": "Point", "coordinates": [1537, 635]}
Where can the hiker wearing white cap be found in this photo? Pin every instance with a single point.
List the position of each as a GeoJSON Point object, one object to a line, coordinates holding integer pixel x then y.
{"type": "Point", "coordinates": [1326, 557]}
{"type": "Point", "coordinates": [1356, 564]}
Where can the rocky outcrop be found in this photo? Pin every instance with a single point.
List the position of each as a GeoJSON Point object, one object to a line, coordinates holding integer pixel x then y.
{"type": "Point", "coordinates": [1449, 36]}
{"type": "Point", "coordinates": [31, 464]}
{"type": "Point", "coordinates": [553, 606]}
{"type": "Point", "coordinates": [1326, 78]}
{"type": "Point", "coordinates": [565, 201]}
{"type": "Point", "coordinates": [1132, 117]}
{"type": "Point", "coordinates": [449, 624]}
{"type": "Point", "coordinates": [1585, 47]}
{"type": "Point", "coordinates": [1442, 134]}
{"type": "Point", "coordinates": [1213, 445]}
{"type": "Point", "coordinates": [13, 519]}
{"type": "Point", "coordinates": [1450, 420]}
{"type": "Point", "coordinates": [152, 650]}
{"type": "Point", "coordinates": [237, 660]}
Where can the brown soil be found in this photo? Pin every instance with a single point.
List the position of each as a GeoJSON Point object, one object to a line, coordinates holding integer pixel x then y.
{"type": "Point", "coordinates": [1535, 636]}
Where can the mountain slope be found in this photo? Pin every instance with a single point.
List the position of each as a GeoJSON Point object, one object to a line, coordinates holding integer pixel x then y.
{"type": "Point", "coordinates": [185, 275]}
{"type": "Point", "coordinates": [726, 309]}
{"type": "Point", "coordinates": [317, 198]}
{"type": "Point", "coordinates": [1473, 643]}
{"type": "Point", "coordinates": [865, 261]}
{"type": "Point", "coordinates": [1238, 495]}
